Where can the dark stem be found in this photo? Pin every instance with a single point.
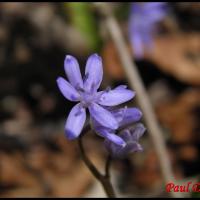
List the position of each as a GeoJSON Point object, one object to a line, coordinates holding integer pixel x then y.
{"type": "Point", "coordinates": [108, 188]}
{"type": "Point", "coordinates": [103, 179]}
{"type": "Point", "coordinates": [86, 160]}
{"type": "Point", "coordinates": [107, 166]}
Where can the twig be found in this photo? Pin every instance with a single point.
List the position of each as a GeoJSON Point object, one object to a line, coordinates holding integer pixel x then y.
{"type": "Point", "coordinates": [142, 97]}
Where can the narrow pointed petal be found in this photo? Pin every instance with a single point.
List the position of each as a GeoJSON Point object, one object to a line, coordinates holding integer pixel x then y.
{"type": "Point", "coordinates": [104, 117]}
{"type": "Point", "coordinates": [127, 116]}
{"type": "Point", "coordinates": [103, 132]}
{"type": "Point", "coordinates": [137, 131]}
{"type": "Point", "coordinates": [75, 122]}
{"type": "Point", "coordinates": [126, 135]}
{"type": "Point", "coordinates": [133, 147]}
{"type": "Point", "coordinates": [116, 151]}
{"type": "Point", "coordinates": [93, 73]}
{"type": "Point", "coordinates": [72, 71]}
{"type": "Point", "coordinates": [116, 139]}
{"type": "Point", "coordinates": [67, 90]}
{"type": "Point", "coordinates": [116, 96]}
{"type": "Point", "coordinates": [122, 152]}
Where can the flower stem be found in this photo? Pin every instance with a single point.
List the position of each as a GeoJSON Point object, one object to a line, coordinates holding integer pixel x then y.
{"type": "Point", "coordinates": [107, 186]}
{"type": "Point", "coordinates": [86, 160]}
{"type": "Point", "coordinates": [107, 166]}
{"type": "Point", "coordinates": [103, 179]}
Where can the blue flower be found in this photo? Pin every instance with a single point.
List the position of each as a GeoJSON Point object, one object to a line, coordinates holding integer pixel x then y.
{"type": "Point", "coordinates": [124, 116]}
{"type": "Point", "coordinates": [142, 25]}
{"type": "Point", "coordinates": [131, 136]}
{"type": "Point", "coordinates": [85, 93]}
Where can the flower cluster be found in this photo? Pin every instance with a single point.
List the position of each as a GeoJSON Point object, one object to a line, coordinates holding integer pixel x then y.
{"type": "Point", "coordinates": [105, 120]}
{"type": "Point", "coordinates": [142, 24]}
{"type": "Point", "coordinates": [131, 136]}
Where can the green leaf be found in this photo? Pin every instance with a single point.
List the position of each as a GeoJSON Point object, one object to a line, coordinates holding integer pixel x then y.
{"type": "Point", "coordinates": [83, 19]}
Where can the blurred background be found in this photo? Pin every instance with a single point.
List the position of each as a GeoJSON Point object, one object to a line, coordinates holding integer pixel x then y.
{"type": "Point", "coordinates": [36, 160]}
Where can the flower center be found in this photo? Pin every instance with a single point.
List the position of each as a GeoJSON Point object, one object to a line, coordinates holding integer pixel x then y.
{"type": "Point", "coordinates": [87, 99]}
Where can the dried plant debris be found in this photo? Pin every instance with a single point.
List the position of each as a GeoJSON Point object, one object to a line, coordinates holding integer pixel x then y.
{"type": "Point", "coordinates": [180, 116]}
{"type": "Point", "coordinates": [46, 170]}
{"type": "Point", "coordinates": [178, 55]}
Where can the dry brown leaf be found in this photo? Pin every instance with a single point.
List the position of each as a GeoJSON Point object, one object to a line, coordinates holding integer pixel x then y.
{"type": "Point", "coordinates": [169, 54]}
{"type": "Point", "coordinates": [112, 63]}
{"type": "Point", "coordinates": [177, 115]}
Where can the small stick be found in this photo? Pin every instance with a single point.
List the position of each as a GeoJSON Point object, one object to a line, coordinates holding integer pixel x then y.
{"type": "Point", "coordinates": [142, 97]}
